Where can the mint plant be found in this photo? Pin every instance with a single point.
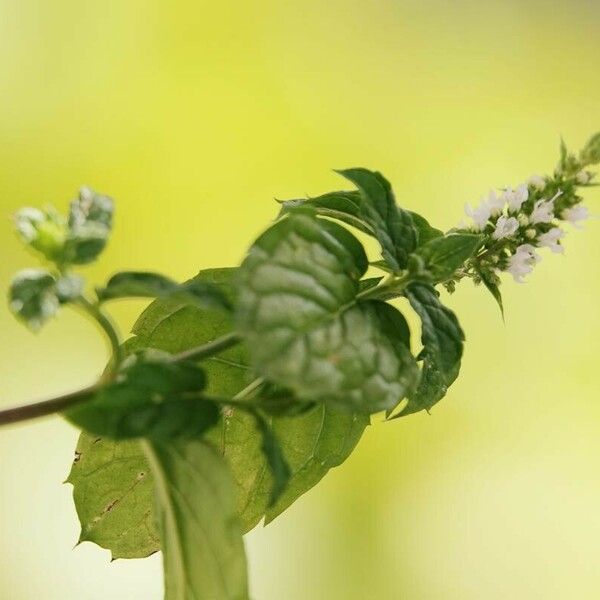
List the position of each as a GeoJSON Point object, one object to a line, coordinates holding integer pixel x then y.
{"type": "Point", "coordinates": [241, 388]}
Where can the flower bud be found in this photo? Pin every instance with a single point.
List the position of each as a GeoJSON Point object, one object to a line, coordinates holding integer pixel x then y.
{"type": "Point", "coordinates": [43, 231]}
{"type": "Point", "coordinates": [583, 177]}
{"type": "Point", "coordinates": [530, 234]}
{"type": "Point", "coordinates": [523, 220]}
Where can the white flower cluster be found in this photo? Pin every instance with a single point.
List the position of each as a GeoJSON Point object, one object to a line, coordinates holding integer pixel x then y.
{"type": "Point", "coordinates": [493, 205]}
{"type": "Point", "coordinates": [504, 212]}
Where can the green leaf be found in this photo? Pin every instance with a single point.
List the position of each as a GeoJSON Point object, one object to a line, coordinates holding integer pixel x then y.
{"type": "Point", "coordinates": [392, 226]}
{"type": "Point", "coordinates": [590, 154]}
{"type": "Point", "coordinates": [442, 340]}
{"type": "Point", "coordinates": [135, 284]}
{"type": "Point", "coordinates": [373, 210]}
{"type": "Point", "coordinates": [298, 312]}
{"type": "Point", "coordinates": [346, 207]}
{"type": "Point", "coordinates": [201, 537]}
{"type": "Point", "coordinates": [152, 397]}
{"type": "Point", "coordinates": [312, 442]}
{"type": "Point", "coordinates": [113, 494]}
{"type": "Point", "coordinates": [494, 289]}
{"type": "Point", "coordinates": [271, 448]}
{"type": "Point", "coordinates": [444, 255]}
{"type": "Point", "coordinates": [425, 232]}
{"type": "Point", "coordinates": [89, 226]}
{"type": "Point", "coordinates": [32, 297]}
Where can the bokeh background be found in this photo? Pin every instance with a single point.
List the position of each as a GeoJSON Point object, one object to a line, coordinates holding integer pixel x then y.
{"type": "Point", "coordinates": [194, 116]}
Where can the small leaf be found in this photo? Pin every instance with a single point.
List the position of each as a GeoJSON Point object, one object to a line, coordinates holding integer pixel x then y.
{"type": "Point", "coordinates": [201, 537]}
{"type": "Point", "coordinates": [494, 289]}
{"type": "Point", "coordinates": [346, 207]}
{"type": "Point", "coordinates": [392, 226]}
{"type": "Point", "coordinates": [425, 232]}
{"type": "Point", "coordinates": [135, 284]}
{"type": "Point", "coordinates": [89, 226]}
{"type": "Point", "coordinates": [373, 210]}
{"type": "Point", "coordinates": [442, 340]}
{"type": "Point", "coordinates": [113, 491]}
{"type": "Point", "coordinates": [444, 255]}
{"type": "Point", "coordinates": [152, 397]}
{"type": "Point", "coordinates": [590, 154]}
{"type": "Point", "coordinates": [298, 312]}
{"type": "Point", "coordinates": [33, 298]}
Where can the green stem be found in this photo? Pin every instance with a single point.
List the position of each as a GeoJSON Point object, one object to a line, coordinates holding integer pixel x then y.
{"type": "Point", "coordinates": [61, 403]}
{"type": "Point", "coordinates": [392, 284]}
{"type": "Point", "coordinates": [244, 393]}
{"type": "Point", "coordinates": [47, 407]}
{"type": "Point", "coordinates": [214, 347]}
{"type": "Point", "coordinates": [109, 329]}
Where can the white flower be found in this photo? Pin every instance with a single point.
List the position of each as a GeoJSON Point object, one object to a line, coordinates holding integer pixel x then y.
{"type": "Point", "coordinates": [543, 210]}
{"type": "Point", "coordinates": [583, 177]}
{"type": "Point", "coordinates": [480, 215]}
{"type": "Point", "coordinates": [495, 203]}
{"type": "Point", "coordinates": [550, 240]}
{"type": "Point", "coordinates": [505, 227]}
{"type": "Point", "coordinates": [537, 181]}
{"type": "Point", "coordinates": [522, 262]}
{"type": "Point", "coordinates": [575, 214]}
{"type": "Point", "coordinates": [515, 198]}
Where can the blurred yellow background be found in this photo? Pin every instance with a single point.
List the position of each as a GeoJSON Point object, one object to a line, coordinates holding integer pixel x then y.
{"type": "Point", "coordinates": [194, 115]}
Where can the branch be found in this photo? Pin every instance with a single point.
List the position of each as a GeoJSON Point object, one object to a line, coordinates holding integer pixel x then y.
{"type": "Point", "coordinates": [46, 407]}
{"type": "Point", "coordinates": [61, 403]}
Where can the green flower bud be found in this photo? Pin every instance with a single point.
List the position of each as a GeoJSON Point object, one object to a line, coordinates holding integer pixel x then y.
{"type": "Point", "coordinates": [44, 231]}
{"type": "Point", "coordinates": [90, 222]}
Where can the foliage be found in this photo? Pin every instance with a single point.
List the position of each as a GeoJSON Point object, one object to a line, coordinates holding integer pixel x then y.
{"type": "Point", "coordinates": [242, 387]}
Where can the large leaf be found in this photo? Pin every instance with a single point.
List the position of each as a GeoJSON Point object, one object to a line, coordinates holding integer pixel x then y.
{"type": "Point", "coordinates": [298, 312]}
{"type": "Point", "coordinates": [113, 494]}
{"type": "Point", "coordinates": [201, 537]}
{"type": "Point", "coordinates": [312, 442]}
{"type": "Point", "coordinates": [442, 339]}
